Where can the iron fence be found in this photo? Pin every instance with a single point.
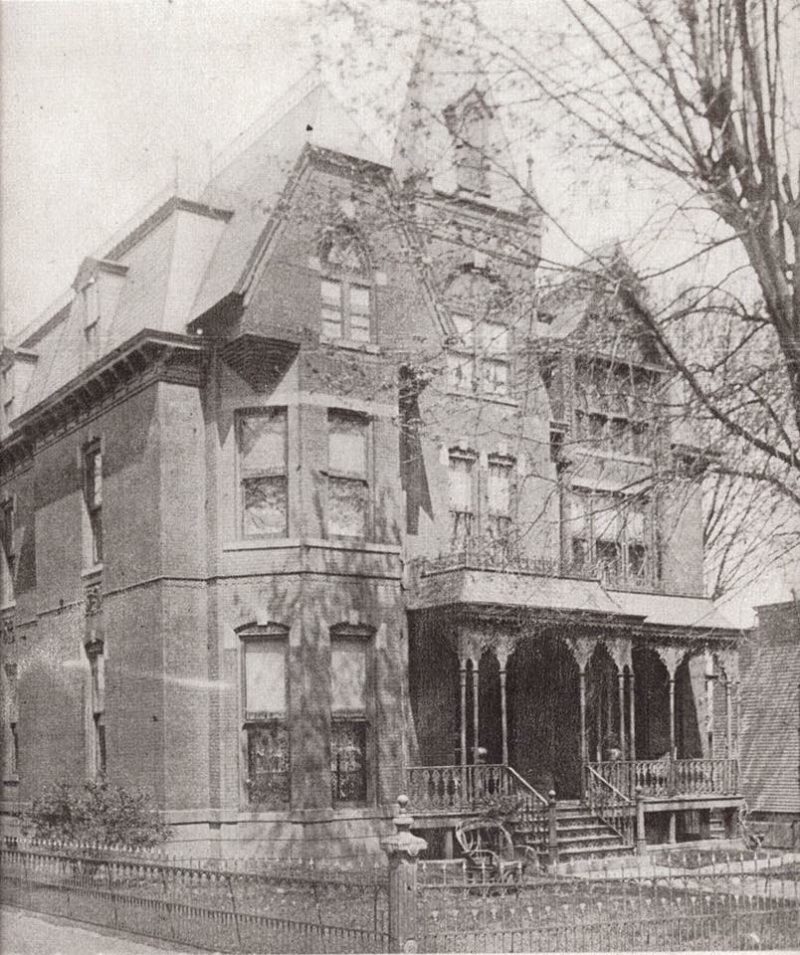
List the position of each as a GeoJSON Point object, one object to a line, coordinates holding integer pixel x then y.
{"type": "Point", "coordinates": [730, 903]}
{"type": "Point", "coordinates": [230, 906]}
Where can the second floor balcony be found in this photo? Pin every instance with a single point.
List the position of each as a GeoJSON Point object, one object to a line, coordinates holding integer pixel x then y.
{"type": "Point", "coordinates": [499, 554]}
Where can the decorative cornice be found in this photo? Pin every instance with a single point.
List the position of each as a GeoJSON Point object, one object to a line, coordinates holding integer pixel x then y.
{"type": "Point", "coordinates": [153, 355]}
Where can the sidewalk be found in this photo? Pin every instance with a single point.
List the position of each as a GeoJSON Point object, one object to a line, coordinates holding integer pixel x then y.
{"type": "Point", "coordinates": [29, 933]}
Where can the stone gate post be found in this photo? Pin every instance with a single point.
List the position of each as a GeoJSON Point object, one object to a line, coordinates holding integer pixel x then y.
{"type": "Point", "coordinates": [402, 849]}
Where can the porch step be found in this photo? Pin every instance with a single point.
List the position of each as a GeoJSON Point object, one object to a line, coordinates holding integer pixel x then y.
{"type": "Point", "coordinates": [716, 825]}
{"type": "Point", "coordinates": [581, 835]}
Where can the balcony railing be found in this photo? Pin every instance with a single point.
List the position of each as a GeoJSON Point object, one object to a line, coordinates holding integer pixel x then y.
{"type": "Point", "coordinates": [667, 777]}
{"type": "Point", "coordinates": [475, 554]}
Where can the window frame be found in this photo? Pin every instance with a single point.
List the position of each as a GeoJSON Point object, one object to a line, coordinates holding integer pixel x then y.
{"type": "Point", "coordinates": [337, 476]}
{"type": "Point", "coordinates": [596, 412]}
{"type": "Point", "coordinates": [272, 633]}
{"type": "Point", "coordinates": [8, 528]}
{"type": "Point", "coordinates": [11, 722]}
{"type": "Point", "coordinates": [471, 350]}
{"type": "Point", "coordinates": [465, 521]}
{"type": "Point", "coordinates": [93, 502]}
{"type": "Point", "coordinates": [499, 524]}
{"type": "Point", "coordinates": [362, 636]}
{"type": "Point", "coordinates": [622, 542]}
{"type": "Point", "coordinates": [280, 472]}
{"type": "Point", "coordinates": [347, 281]}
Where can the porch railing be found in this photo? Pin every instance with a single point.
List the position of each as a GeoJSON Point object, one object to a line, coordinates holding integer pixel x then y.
{"type": "Point", "coordinates": [446, 790]}
{"type": "Point", "coordinates": [670, 777]}
{"type": "Point", "coordinates": [610, 804]}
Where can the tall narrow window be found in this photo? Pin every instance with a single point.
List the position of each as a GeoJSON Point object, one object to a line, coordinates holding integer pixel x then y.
{"type": "Point", "coordinates": [8, 395]}
{"type": "Point", "coordinates": [462, 508]}
{"type": "Point", "coordinates": [479, 356]}
{"type": "Point", "coordinates": [9, 555]}
{"type": "Point", "coordinates": [346, 289]}
{"type": "Point", "coordinates": [499, 486]}
{"type": "Point", "coordinates": [91, 317]}
{"type": "Point", "coordinates": [471, 141]}
{"type": "Point", "coordinates": [580, 531]}
{"type": "Point", "coordinates": [636, 562]}
{"type": "Point", "coordinates": [11, 721]}
{"type": "Point", "coordinates": [263, 479]}
{"type": "Point", "coordinates": [93, 496]}
{"type": "Point", "coordinates": [607, 543]}
{"type": "Point", "coordinates": [97, 701]}
{"type": "Point", "coordinates": [348, 475]}
{"type": "Point", "coordinates": [265, 719]}
{"type": "Point", "coordinates": [349, 725]}
{"type": "Point", "coordinates": [495, 358]}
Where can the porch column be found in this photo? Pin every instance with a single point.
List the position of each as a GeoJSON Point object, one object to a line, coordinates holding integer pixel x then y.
{"type": "Point", "coordinates": [621, 688]}
{"type": "Point", "coordinates": [672, 714]}
{"type": "Point", "coordinates": [504, 709]}
{"type": "Point", "coordinates": [728, 718]}
{"type": "Point", "coordinates": [709, 706]}
{"type": "Point", "coordinates": [738, 687]}
{"type": "Point", "coordinates": [632, 696]}
{"type": "Point", "coordinates": [475, 743]}
{"type": "Point", "coordinates": [584, 746]}
{"type": "Point", "coordinates": [462, 672]}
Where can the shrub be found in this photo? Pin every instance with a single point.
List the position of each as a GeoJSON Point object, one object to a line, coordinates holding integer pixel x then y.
{"type": "Point", "coordinates": [95, 812]}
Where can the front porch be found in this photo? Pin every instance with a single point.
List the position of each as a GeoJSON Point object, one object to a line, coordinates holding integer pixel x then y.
{"type": "Point", "coordinates": [560, 689]}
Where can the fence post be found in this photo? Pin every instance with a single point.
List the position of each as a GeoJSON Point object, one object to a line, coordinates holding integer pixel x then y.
{"type": "Point", "coordinates": [641, 842]}
{"type": "Point", "coordinates": [552, 829]}
{"type": "Point", "coordinates": [402, 849]}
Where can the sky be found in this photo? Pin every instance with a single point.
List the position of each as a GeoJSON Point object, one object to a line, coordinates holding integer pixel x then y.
{"type": "Point", "coordinates": [99, 97]}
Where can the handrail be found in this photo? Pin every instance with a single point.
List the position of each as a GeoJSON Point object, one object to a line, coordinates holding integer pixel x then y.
{"type": "Point", "coordinates": [624, 799]}
{"type": "Point", "coordinates": [525, 785]}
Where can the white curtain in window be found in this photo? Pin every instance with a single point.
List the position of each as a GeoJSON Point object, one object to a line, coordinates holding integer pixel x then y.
{"type": "Point", "coordinates": [265, 676]}
{"type": "Point", "coordinates": [348, 676]}
{"type": "Point", "coordinates": [460, 484]}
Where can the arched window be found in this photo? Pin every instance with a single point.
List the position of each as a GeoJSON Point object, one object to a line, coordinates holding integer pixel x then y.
{"type": "Point", "coordinates": [346, 289]}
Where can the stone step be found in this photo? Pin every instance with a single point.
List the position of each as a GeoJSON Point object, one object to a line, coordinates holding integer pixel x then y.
{"type": "Point", "coordinates": [579, 852]}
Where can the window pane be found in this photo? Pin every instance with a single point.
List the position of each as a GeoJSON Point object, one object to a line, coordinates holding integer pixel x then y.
{"type": "Point", "coordinates": [332, 293]}
{"type": "Point", "coordinates": [349, 761]}
{"type": "Point", "coordinates": [359, 328]}
{"type": "Point", "coordinates": [94, 478]}
{"type": "Point", "coordinates": [348, 676]}
{"type": "Point", "coordinates": [359, 299]}
{"type": "Point", "coordinates": [265, 676]}
{"type": "Point", "coordinates": [494, 339]}
{"type": "Point", "coordinates": [347, 254]}
{"type": "Point", "coordinates": [495, 377]}
{"type": "Point", "coordinates": [347, 443]}
{"type": "Point", "coordinates": [264, 506]}
{"type": "Point", "coordinates": [607, 556]}
{"type": "Point", "coordinates": [460, 484]}
{"type": "Point", "coordinates": [579, 515]}
{"type": "Point", "coordinates": [461, 373]}
{"type": "Point", "coordinates": [637, 560]}
{"type": "Point", "coordinates": [347, 507]}
{"type": "Point", "coordinates": [606, 519]}
{"type": "Point", "coordinates": [268, 764]}
{"type": "Point", "coordinates": [634, 523]}
{"type": "Point", "coordinates": [262, 442]}
{"type": "Point", "coordinates": [331, 325]}
{"type": "Point", "coordinates": [580, 552]}
{"type": "Point", "coordinates": [465, 328]}
{"type": "Point", "coordinates": [499, 488]}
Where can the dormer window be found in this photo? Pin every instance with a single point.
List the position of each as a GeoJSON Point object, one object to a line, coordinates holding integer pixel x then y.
{"type": "Point", "coordinates": [90, 294]}
{"type": "Point", "coordinates": [346, 290]}
{"type": "Point", "coordinates": [469, 127]}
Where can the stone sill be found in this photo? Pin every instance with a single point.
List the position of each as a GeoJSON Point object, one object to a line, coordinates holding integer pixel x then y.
{"type": "Point", "coordinates": [368, 348]}
{"type": "Point", "coordinates": [492, 399]}
{"type": "Point", "coordinates": [312, 543]}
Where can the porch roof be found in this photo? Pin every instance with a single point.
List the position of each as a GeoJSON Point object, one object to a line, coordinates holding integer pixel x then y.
{"type": "Point", "coordinates": [565, 594]}
{"type": "Point", "coordinates": [699, 613]}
